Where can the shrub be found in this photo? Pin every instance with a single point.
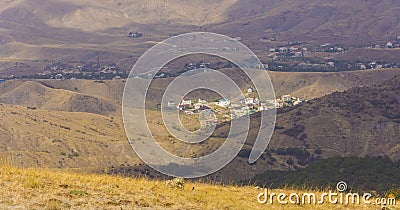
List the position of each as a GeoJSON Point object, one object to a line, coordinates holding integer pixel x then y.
{"type": "Point", "coordinates": [318, 151]}
{"type": "Point", "coordinates": [294, 131]}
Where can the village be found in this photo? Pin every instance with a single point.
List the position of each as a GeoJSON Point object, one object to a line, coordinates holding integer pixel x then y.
{"type": "Point", "coordinates": [293, 56]}
{"type": "Point", "coordinates": [301, 56]}
{"type": "Point", "coordinates": [225, 109]}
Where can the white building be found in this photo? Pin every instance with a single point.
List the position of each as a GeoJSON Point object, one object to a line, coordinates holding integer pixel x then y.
{"type": "Point", "coordinates": [171, 104]}
{"type": "Point", "coordinates": [186, 102]}
{"type": "Point", "coordinates": [278, 104]}
{"type": "Point", "coordinates": [59, 77]}
{"type": "Point", "coordinates": [224, 102]}
{"type": "Point", "coordinates": [249, 101]}
{"type": "Point", "coordinates": [263, 107]}
{"type": "Point", "coordinates": [198, 105]}
{"type": "Point", "coordinates": [202, 101]}
{"type": "Point", "coordinates": [297, 102]}
{"type": "Point", "coordinates": [286, 98]}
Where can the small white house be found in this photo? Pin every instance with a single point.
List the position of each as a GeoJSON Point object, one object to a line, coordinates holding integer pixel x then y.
{"type": "Point", "coordinates": [59, 77]}
{"type": "Point", "coordinates": [198, 105]}
{"type": "Point", "coordinates": [297, 102]}
{"type": "Point", "coordinates": [283, 49]}
{"type": "Point", "coordinates": [171, 104]}
{"type": "Point", "coordinates": [202, 101]}
{"type": "Point", "coordinates": [224, 102]}
{"type": "Point", "coordinates": [250, 89]}
{"type": "Point", "coordinates": [249, 101]}
{"type": "Point", "coordinates": [186, 102]}
{"type": "Point", "coordinates": [286, 98]}
{"type": "Point", "coordinates": [389, 45]}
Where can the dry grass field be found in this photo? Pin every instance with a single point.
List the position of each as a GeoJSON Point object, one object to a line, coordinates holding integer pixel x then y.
{"type": "Point", "coordinates": [39, 188]}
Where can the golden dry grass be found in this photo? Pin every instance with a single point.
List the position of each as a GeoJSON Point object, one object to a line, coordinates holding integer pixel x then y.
{"type": "Point", "coordinates": [50, 189]}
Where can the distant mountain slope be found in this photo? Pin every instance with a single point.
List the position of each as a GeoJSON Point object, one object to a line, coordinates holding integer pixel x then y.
{"type": "Point", "coordinates": [100, 15]}
{"type": "Point", "coordinates": [338, 18]}
{"type": "Point", "coordinates": [82, 30]}
{"type": "Point", "coordinates": [354, 19]}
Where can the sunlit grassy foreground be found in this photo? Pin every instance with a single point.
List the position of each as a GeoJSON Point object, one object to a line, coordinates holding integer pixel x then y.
{"type": "Point", "coordinates": [49, 189]}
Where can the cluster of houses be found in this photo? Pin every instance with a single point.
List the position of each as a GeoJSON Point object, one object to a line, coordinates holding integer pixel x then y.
{"type": "Point", "coordinates": [191, 106]}
{"type": "Point", "coordinates": [328, 47]}
{"type": "Point", "coordinates": [87, 71]}
{"type": "Point", "coordinates": [373, 65]}
{"type": "Point", "coordinates": [287, 101]}
{"type": "Point", "coordinates": [389, 45]}
{"type": "Point", "coordinates": [60, 68]}
{"type": "Point", "coordinates": [249, 105]}
{"type": "Point", "coordinates": [289, 51]}
{"type": "Point", "coordinates": [191, 66]}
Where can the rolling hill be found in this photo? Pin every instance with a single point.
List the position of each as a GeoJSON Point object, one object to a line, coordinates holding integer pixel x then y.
{"type": "Point", "coordinates": [57, 139]}
{"type": "Point", "coordinates": [36, 95]}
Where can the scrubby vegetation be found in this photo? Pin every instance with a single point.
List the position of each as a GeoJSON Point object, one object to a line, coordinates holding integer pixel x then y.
{"type": "Point", "coordinates": [365, 174]}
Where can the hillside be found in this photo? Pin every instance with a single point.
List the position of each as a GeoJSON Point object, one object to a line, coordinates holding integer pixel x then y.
{"type": "Point", "coordinates": [334, 20]}
{"type": "Point", "coordinates": [37, 95]}
{"type": "Point", "coordinates": [302, 18]}
{"type": "Point", "coordinates": [102, 15]}
{"type": "Point", "coordinates": [314, 85]}
{"type": "Point", "coordinates": [358, 122]}
{"type": "Point", "coordinates": [50, 189]}
{"type": "Point", "coordinates": [57, 139]}
{"type": "Point", "coordinates": [362, 121]}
